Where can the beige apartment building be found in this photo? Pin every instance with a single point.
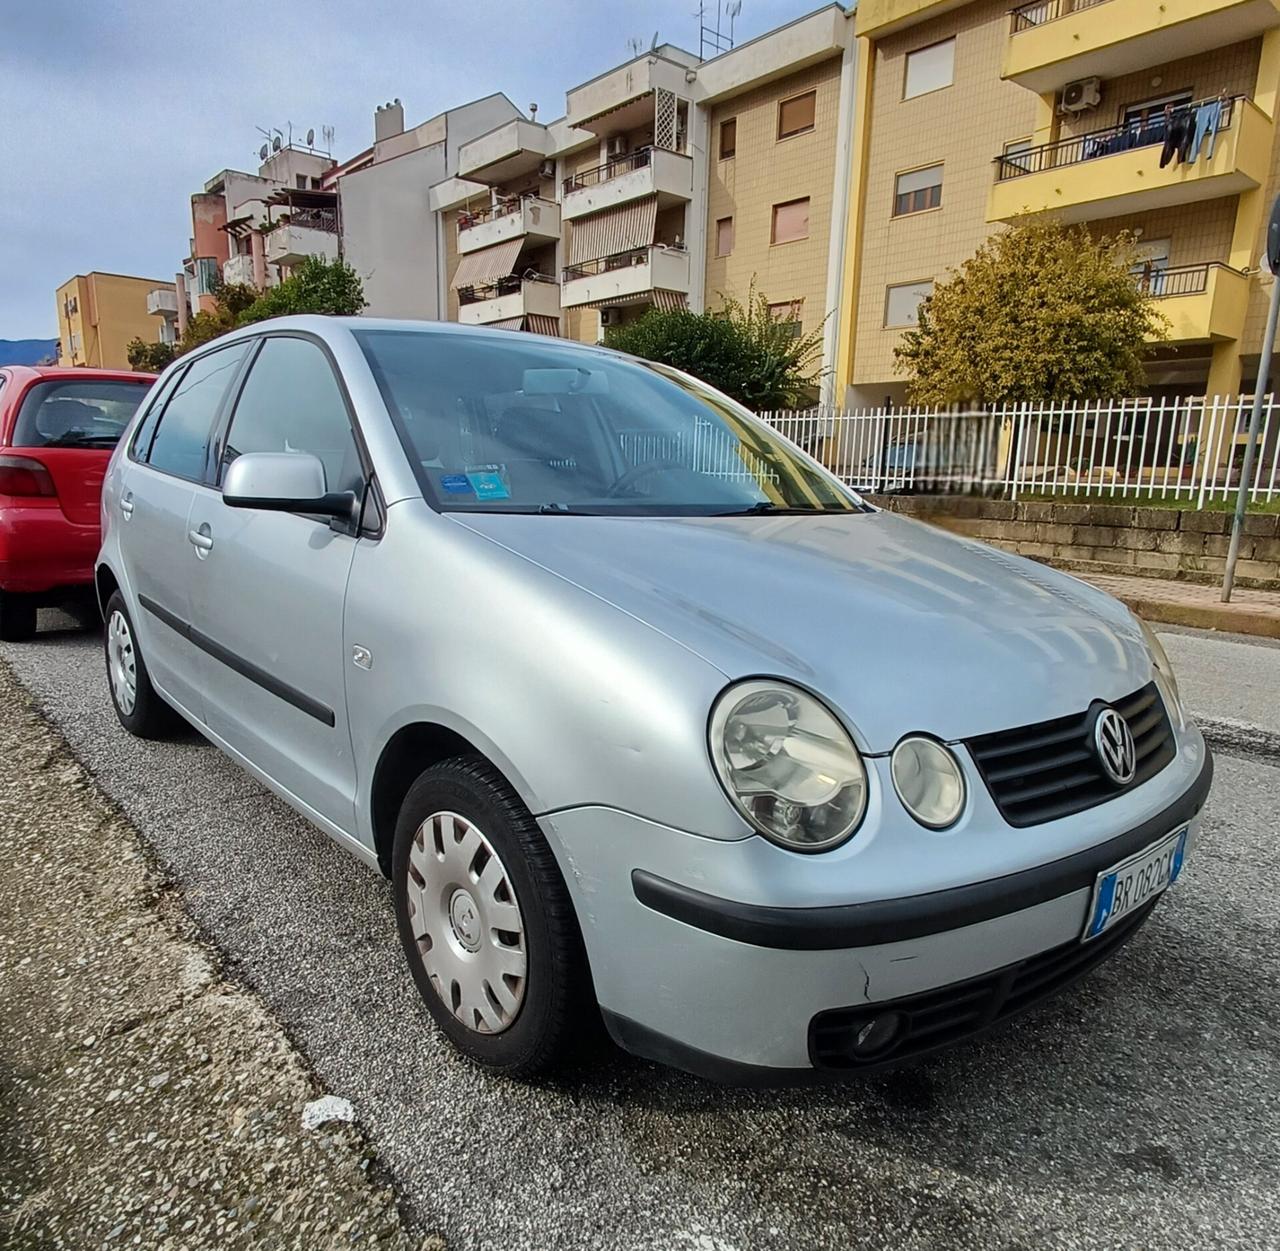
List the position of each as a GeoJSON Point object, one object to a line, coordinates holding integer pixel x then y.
{"type": "Point", "coordinates": [669, 182]}
{"type": "Point", "coordinates": [99, 314]}
{"type": "Point", "coordinates": [971, 115]}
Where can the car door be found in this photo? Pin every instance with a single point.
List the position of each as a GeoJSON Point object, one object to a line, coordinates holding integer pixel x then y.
{"type": "Point", "coordinates": [167, 457]}
{"type": "Point", "coordinates": [268, 591]}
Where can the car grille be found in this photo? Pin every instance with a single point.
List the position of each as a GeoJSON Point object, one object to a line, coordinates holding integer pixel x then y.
{"type": "Point", "coordinates": [940, 1017]}
{"type": "Point", "coordinates": [1042, 772]}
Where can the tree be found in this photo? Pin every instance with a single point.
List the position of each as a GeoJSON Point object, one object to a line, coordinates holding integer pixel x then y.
{"type": "Point", "coordinates": [149, 358]}
{"type": "Point", "coordinates": [1041, 311]}
{"type": "Point", "coordinates": [740, 349]}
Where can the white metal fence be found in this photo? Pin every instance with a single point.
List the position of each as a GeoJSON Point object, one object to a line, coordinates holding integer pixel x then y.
{"type": "Point", "coordinates": [1190, 449]}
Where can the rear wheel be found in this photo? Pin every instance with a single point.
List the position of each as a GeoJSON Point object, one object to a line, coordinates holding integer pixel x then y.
{"type": "Point", "coordinates": [141, 711]}
{"type": "Point", "coordinates": [17, 617]}
{"type": "Point", "coordinates": [486, 921]}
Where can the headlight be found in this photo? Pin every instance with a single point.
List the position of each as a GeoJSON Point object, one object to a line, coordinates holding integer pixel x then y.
{"type": "Point", "coordinates": [928, 781]}
{"type": "Point", "coordinates": [1160, 658]}
{"type": "Point", "coordinates": [787, 765]}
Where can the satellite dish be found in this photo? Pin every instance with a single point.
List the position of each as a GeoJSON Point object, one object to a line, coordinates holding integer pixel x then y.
{"type": "Point", "coordinates": [275, 144]}
{"type": "Point", "coordinates": [654, 44]}
{"type": "Point", "coordinates": [311, 137]}
{"type": "Point", "coordinates": [262, 152]}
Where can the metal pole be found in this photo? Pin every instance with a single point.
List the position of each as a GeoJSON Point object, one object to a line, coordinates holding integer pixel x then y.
{"type": "Point", "coordinates": [1250, 450]}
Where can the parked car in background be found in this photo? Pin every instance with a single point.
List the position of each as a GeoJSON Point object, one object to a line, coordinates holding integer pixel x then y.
{"type": "Point", "coordinates": [640, 709]}
{"type": "Point", "coordinates": [57, 430]}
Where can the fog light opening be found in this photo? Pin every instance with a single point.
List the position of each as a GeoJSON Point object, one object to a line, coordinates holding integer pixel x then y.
{"type": "Point", "coordinates": [879, 1034]}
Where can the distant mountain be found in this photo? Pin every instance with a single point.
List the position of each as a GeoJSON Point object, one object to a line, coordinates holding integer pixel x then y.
{"type": "Point", "coordinates": [27, 351]}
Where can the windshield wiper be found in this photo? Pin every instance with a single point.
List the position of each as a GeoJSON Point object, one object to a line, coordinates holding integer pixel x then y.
{"type": "Point", "coordinates": [768, 506]}
{"type": "Point", "coordinates": [80, 438]}
{"type": "Point", "coordinates": [563, 510]}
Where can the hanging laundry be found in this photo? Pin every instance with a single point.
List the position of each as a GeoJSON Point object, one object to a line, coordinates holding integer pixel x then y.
{"type": "Point", "coordinates": [1207, 123]}
{"type": "Point", "coordinates": [1177, 134]}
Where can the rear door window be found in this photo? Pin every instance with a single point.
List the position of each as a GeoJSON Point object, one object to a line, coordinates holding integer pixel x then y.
{"type": "Point", "coordinates": [141, 440]}
{"type": "Point", "coordinates": [180, 445]}
{"type": "Point", "coordinates": [92, 413]}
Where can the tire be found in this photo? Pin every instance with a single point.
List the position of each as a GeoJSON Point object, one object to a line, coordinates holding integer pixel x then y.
{"type": "Point", "coordinates": [476, 887]}
{"type": "Point", "coordinates": [140, 710]}
{"type": "Point", "coordinates": [17, 617]}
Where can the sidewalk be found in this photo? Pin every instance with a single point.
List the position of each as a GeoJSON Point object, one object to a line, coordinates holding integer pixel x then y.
{"type": "Point", "coordinates": [1190, 604]}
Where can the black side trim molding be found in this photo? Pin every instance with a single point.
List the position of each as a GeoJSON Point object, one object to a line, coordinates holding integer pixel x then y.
{"type": "Point", "coordinates": [913, 916]}
{"type": "Point", "coordinates": [246, 669]}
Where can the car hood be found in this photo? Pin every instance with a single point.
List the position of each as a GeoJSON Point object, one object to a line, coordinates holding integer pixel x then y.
{"type": "Point", "coordinates": [898, 625]}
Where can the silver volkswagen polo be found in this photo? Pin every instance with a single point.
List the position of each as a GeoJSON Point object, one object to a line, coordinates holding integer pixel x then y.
{"type": "Point", "coordinates": [644, 714]}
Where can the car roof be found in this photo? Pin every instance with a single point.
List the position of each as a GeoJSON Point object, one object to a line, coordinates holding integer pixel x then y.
{"type": "Point", "coordinates": [31, 372]}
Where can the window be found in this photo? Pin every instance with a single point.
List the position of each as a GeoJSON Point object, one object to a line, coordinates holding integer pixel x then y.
{"type": "Point", "coordinates": [1151, 112]}
{"type": "Point", "coordinates": [724, 236]}
{"type": "Point", "coordinates": [902, 302]}
{"type": "Point", "coordinates": [790, 313]}
{"type": "Point", "coordinates": [795, 116]}
{"type": "Point", "coordinates": [790, 221]}
{"type": "Point", "coordinates": [146, 427]}
{"type": "Point", "coordinates": [301, 180]}
{"type": "Point", "coordinates": [917, 190]}
{"type": "Point", "coordinates": [728, 138]}
{"type": "Point", "coordinates": [291, 403]}
{"type": "Point", "coordinates": [929, 69]}
{"type": "Point", "coordinates": [77, 414]}
{"type": "Point", "coordinates": [1014, 160]}
{"type": "Point", "coordinates": [181, 442]}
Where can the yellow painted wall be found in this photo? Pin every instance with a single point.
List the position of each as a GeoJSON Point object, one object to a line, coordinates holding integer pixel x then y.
{"type": "Point", "coordinates": [110, 310]}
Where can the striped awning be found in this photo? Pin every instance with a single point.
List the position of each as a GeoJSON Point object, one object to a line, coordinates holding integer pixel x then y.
{"type": "Point", "coordinates": [669, 301]}
{"type": "Point", "coordinates": [507, 323]}
{"type": "Point", "coordinates": [620, 229]}
{"type": "Point", "coordinates": [485, 267]}
{"type": "Point", "coordinates": [542, 323]}
{"type": "Point", "coordinates": [658, 297]}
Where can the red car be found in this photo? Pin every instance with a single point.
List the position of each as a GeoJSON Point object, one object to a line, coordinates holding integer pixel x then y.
{"type": "Point", "coordinates": [57, 429]}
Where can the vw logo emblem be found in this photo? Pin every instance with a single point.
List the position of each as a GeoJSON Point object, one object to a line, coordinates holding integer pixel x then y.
{"type": "Point", "coordinates": [1113, 741]}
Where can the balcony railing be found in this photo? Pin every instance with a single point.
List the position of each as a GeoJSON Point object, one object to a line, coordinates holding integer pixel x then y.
{"type": "Point", "coordinates": [613, 168]}
{"type": "Point", "coordinates": [1038, 12]}
{"type": "Point", "coordinates": [1157, 283]}
{"type": "Point", "coordinates": [325, 219]}
{"type": "Point", "coordinates": [1105, 142]}
{"type": "Point", "coordinates": [619, 260]}
{"type": "Point", "coordinates": [510, 285]}
{"type": "Point", "coordinates": [470, 218]}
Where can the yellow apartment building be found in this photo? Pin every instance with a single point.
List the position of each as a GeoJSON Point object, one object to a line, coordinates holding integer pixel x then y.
{"type": "Point", "coordinates": [969, 115]}
{"type": "Point", "coordinates": [98, 314]}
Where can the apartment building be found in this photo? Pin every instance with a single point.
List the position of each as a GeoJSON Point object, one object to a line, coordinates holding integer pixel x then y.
{"type": "Point", "coordinates": [971, 115]}
{"type": "Point", "coordinates": [251, 228]}
{"type": "Point", "coordinates": [669, 182]}
{"type": "Point", "coordinates": [99, 314]}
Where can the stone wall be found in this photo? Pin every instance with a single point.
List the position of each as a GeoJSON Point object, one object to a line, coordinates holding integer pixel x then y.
{"type": "Point", "coordinates": [1181, 544]}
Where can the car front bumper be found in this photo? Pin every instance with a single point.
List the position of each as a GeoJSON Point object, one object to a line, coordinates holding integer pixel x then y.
{"type": "Point", "coordinates": [690, 970]}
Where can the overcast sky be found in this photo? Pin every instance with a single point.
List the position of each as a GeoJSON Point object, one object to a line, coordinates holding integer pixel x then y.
{"type": "Point", "coordinates": [112, 112]}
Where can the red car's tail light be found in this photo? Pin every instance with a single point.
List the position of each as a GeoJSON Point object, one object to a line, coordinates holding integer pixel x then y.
{"type": "Point", "coordinates": [21, 475]}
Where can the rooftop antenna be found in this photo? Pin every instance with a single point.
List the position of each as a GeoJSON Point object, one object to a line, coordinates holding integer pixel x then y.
{"type": "Point", "coordinates": [713, 40]}
{"type": "Point", "coordinates": [636, 44]}
{"type": "Point", "coordinates": [653, 45]}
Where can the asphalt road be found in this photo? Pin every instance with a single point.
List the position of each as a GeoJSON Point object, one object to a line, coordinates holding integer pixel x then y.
{"type": "Point", "coordinates": [1140, 1110]}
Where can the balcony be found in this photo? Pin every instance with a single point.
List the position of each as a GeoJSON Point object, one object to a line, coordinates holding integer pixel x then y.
{"type": "Point", "coordinates": [238, 269]}
{"type": "Point", "coordinates": [293, 241]}
{"type": "Point", "coordinates": [162, 302]}
{"type": "Point", "coordinates": [627, 278]}
{"type": "Point", "coordinates": [529, 217]}
{"type": "Point", "coordinates": [511, 150]}
{"type": "Point", "coordinates": [509, 299]}
{"type": "Point", "coordinates": [623, 98]}
{"type": "Point", "coordinates": [1115, 171]}
{"type": "Point", "coordinates": [644, 172]}
{"type": "Point", "coordinates": [1052, 42]}
{"type": "Point", "coordinates": [1202, 302]}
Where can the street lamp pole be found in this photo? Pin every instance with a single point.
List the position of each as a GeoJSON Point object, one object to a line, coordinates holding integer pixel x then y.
{"type": "Point", "coordinates": [1255, 418]}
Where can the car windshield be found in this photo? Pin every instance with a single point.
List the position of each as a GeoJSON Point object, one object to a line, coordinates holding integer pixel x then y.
{"type": "Point", "coordinates": [512, 422]}
{"type": "Point", "coordinates": [80, 413]}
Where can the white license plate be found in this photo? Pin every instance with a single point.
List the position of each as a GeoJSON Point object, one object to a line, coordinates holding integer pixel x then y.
{"type": "Point", "coordinates": [1124, 888]}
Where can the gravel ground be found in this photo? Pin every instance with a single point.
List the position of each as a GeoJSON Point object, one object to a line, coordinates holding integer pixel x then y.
{"type": "Point", "coordinates": [1140, 1110]}
{"type": "Point", "coordinates": [146, 1100]}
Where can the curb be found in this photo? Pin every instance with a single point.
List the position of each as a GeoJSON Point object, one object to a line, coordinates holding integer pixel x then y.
{"type": "Point", "coordinates": [1231, 618]}
{"type": "Point", "coordinates": [1228, 734]}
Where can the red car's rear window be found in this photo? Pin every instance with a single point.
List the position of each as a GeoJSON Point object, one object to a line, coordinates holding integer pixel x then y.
{"type": "Point", "coordinates": [92, 412]}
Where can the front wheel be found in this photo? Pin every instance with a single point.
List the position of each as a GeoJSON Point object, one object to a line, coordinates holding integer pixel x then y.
{"type": "Point", "coordinates": [486, 921]}
{"type": "Point", "coordinates": [140, 710]}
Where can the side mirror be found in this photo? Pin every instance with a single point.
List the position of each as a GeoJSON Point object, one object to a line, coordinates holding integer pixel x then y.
{"type": "Point", "coordinates": [284, 482]}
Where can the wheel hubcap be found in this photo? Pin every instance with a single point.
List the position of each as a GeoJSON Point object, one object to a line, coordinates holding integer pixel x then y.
{"type": "Point", "coordinates": [122, 665]}
{"type": "Point", "coordinates": [466, 923]}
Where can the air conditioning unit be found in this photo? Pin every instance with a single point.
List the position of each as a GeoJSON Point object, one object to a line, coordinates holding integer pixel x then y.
{"type": "Point", "coordinates": [616, 145]}
{"type": "Point", "coordinates": [1081, 95]}
{"type": "Point", "coordinates": [547, 169]}
{"type": "Point", "coordinates": [610, 317]}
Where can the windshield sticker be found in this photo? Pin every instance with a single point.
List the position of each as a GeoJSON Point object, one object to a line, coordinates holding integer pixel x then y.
{"type": "Point", "coordinates": [455, 483]}
{"type": "Point", "coordinates": [488, 486]}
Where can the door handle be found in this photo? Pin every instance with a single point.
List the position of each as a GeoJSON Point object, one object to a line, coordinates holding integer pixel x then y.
{"type": "Point", "coordinates": [126, 504]}
{"type": "Point", "coordinates": [201, 540]}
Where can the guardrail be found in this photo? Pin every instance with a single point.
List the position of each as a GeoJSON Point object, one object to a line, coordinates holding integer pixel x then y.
{"type": "Point", "coordinates": [1028, 16]}
{"type": "Point", "coordinates": [477, 217]}
{"type": "Point", "coordinates": [612, 168]}
{"type": "Point", "coordinates": [509, 285]}
{"type": "Point", "coordinates": [1158, 283]}
{"type": "Point", "coordinates": [1189, 449]}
